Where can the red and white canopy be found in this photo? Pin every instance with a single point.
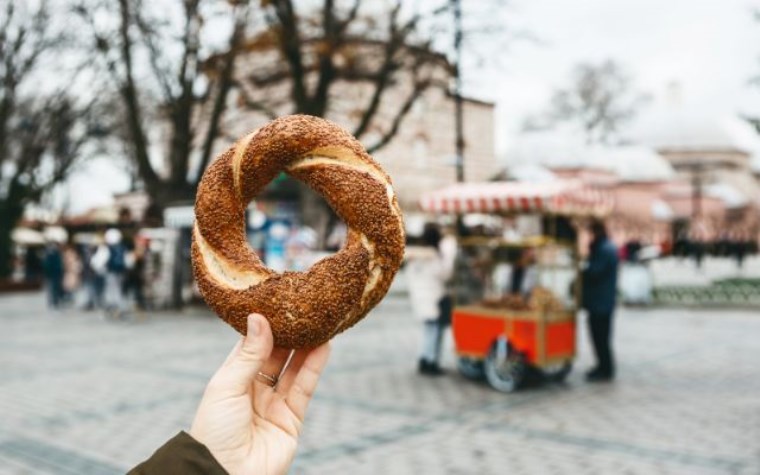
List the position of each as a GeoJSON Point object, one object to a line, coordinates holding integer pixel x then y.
{"type": "Point", "coordinates": [561, 197]}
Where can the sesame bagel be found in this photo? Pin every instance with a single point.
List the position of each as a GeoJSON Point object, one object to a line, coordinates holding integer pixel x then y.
{"type": "Point", "coordinates": [305, 309]}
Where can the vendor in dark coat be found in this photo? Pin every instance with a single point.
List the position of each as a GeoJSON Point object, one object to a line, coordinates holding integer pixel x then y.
{"type": "Point", "coordinates": [599, 297]}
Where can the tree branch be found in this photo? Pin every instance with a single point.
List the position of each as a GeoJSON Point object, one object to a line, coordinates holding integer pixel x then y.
{"type": "Point", "coordinates": [383, 75]}
{"type": "Point", "coordinates": [325, 51]}
{"type": "Point", "coordinates": [274, 77]}
{"type": "Point", "coordinates": [251, 104]}
{"type": "Point", "coordinates": [226, 80]}
{"type": "Point", "coordinates": [131, 101]}
{"type": "Point", "coordinates": [352, 14]}
{"type": "Point", "coordinates": [181, 106]}
{"type": "Point", "coordinates": [101, 45]}
{"type": "Point", "coordinates": [155, 56]}
{"type": "Point", "coordinates": [290, 43]}
{"type": "Point", "coordinates": [418, 89]}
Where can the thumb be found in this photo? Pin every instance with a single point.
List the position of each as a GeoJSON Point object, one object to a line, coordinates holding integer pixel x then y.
{"type": "Point", "coordinates": [236, 375]}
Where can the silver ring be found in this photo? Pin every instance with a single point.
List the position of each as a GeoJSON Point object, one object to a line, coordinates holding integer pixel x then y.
{"type": "Point", "coordinates": [267, 379]}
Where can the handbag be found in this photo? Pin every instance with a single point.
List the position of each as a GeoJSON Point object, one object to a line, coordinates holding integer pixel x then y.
{"type": "Point", "coordinates": [445, 306]}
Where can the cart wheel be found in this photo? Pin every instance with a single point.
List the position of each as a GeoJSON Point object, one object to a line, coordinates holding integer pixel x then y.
{"type": "Point", "coordinates": [470, 368]}
{"type": "Point", "coordinates": [504, 368]}
{"type": "Point", "coordinates": [558, 372]}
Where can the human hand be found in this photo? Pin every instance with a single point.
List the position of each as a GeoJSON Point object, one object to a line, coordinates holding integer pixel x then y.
{"type": "Point", "coordinates": [247, 425]}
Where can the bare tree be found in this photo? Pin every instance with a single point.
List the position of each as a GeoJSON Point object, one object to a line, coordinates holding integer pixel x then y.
{"type": "Point", "coordinates": [363, 64]}
{"type": "Point", "coordinates": [372, 48]}
{"type": "Point", "coordinates": [154, 61]}
{"type": "Point", "coordinates": [182, 86]}
{"type": "Point", "coordinates": [42, 135]}
{"type": "Point", "coordinates": [600, 99]}
{"type": "Point", "coordinates": [176, 85]}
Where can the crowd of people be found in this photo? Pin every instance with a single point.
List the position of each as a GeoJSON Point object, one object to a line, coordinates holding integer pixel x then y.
{"type": "Point", "coordinates": [730, 244]}
{"type": "Point", "coordinates": [107, 274]}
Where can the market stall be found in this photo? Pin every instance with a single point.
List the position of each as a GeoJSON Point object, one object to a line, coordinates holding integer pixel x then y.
{"type": "Point", "coordinates": [516, 288]}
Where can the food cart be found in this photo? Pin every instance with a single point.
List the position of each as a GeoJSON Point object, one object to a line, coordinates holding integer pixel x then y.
{"type": "Point", "coordinates": [501, 332]}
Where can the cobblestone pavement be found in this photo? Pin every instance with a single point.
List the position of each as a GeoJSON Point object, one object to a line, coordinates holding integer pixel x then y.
{"type": "Point", "coordinates": [80, 395]}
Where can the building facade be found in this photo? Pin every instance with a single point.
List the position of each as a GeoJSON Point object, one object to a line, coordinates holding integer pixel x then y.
{"type": "Point", "coordinates": [419, 157]}
{"type": "Point", "coordinates": [715, 157]}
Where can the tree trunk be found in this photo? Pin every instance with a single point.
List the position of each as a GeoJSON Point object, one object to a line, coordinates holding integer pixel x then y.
{"type": "Point", "coordinates": [161, 197]}
{"type": "Point", "coordinates": [165, 195]}
{"type": "Point", "coordinates": [10, 213]}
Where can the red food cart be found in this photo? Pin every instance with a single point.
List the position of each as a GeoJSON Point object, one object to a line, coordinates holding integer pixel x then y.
{"type": "Point", "coordinates": [500, 336]}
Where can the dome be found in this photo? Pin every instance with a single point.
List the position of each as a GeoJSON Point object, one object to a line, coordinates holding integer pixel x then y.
{"type": "Point", "coordinates": [685, 127]}
{"type": "Point", "coordinates": [531, 172]}
{"type": "Point", "coordinates": [635, 163]}
{"type": "Point", "coordinates": [561, 149]}
{"type": "Point", "coordinates": [730, 133]}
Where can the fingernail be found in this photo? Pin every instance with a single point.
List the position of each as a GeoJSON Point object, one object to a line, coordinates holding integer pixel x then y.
{"type": "Point", "coordinates": [254, 324]}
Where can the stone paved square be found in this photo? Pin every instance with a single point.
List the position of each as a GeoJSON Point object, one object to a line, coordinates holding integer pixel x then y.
{"type": "Point", "coordinates": [80, 395]}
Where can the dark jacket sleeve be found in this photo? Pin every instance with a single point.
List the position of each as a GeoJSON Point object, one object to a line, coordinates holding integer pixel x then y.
{"type": "Point", "coordinates": [180, 455]}
{"type": "Point", "coordinates": [600, 280]}
{"type": "Point", "coordinates": [601, 264]}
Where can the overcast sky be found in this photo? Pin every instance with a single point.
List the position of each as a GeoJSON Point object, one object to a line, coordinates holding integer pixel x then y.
{"type": "Point", "coordinates": [710, 47]}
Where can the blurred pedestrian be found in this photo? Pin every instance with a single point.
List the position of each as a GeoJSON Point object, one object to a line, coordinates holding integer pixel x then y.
{"type": "Point", "coordinates": [682, 246]}
{"type": "Point", "coordinates": [72, 272]}
{"type": "Point", "coordinates": [599, 298]}
{"type": "Point", "coordinates": [53, 268]}
{"type": "Point", "coordinates": [698, 241]}
{"type": "Point", "coordinates": [337, 237]}
{"type": "Point", "coordinates": [134, 279]}
{"type": "Point", "coordinates": [96, 257]}
{"type": "Point", "coordinates": [739, 247]}
{"type": "Point", "coordinates": [632, 249]}
{"type": "Point", "coordinates": [277, 235]}
{"type": "Point", "coordinates": [33, 271]}
{"type": "Point", "coordinates": [524, 276]}
{"type": "Point", "coordinates": [114, 255]}
{"type": "Point", "coordinates": [299, 248]}
{"type": "Point", "coordinates": [428, 269]}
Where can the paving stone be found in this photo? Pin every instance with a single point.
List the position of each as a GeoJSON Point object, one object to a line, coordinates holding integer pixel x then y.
{"type": "Point", "coordinates": [82, 395]}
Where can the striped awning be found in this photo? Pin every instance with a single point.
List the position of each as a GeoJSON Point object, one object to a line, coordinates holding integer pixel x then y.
{"type": "Point", "coordinates": [561, 197]}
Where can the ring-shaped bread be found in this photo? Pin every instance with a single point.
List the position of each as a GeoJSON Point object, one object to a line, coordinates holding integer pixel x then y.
{"type": "Point", "coordinates": [308, 308]}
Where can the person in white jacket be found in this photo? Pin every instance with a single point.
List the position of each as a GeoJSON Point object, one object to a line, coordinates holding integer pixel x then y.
{"type": "Point", "coordinates": [429, 266]}
{"type": "Point", "coordinates": [112, 261]}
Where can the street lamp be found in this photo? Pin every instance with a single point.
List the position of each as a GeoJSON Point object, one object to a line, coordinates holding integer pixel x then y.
{"type": "Point", "coordinates": [696, 169]}
{"type": "Point", "coordinates": [458, 117]}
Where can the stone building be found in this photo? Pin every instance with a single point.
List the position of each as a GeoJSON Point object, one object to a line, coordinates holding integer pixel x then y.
{"type": "Point", "coordinates": [717, 157]}
{"type": "Point", "coordinates": [422, 155]}
{"type": "Point", "coordinates": [655, 196]}
{"type": "Point", "coordinates": [419, 157]}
